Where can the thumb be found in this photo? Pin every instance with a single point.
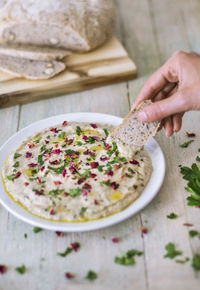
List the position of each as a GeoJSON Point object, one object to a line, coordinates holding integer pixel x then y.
{"type": "Point", "coordinates": [175, 104]}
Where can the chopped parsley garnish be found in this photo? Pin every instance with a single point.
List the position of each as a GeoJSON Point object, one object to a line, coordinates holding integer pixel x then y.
{"type": "Point", "coordinates": [17, 155]}
{"type": "Point", "coordinates": [196, 262]}
{"type": "Point", "coordinates": [37, 230]}
{"type": "Point", "coordinates": [186, 144]}
{"type": "Point", "coordinates": [57, 170]}
{"type": "Point", "coordinates": [100, 168]}
{"type": "Point", "coordinates": [21, 269]}
{"type": "Point", "coordinates": [106, 132]}
{"type": "Point", "coordinates": [37, 140]}
{"type": "Point", "coordinates": [85, 173]}
{"type": "Point", "coordinates": [25, 236]}
{"type": "Point", "coordinates": [114, 148]}
{"type": "Point", "coordinates": [172, 216]}
{"type": "Point", "coordinates": [193, 233]}
{"type": "Point", "coordinates": [79, 143]}
{"type": "Point", "coordinates": [40, 160]}
{"type": "Point", "coordinates": [182, 261]}
{"type": "Point", "coordinates": [83, 209]}
{"type": "Point", "coordinates": [55, 192]}
{"type": "Point", "coordinates": [90, 140]}
{"type": "Point", "coordinates": [75, 191]}
{"type": "Point", "coordinates": [48, 137]}
{"type": "Point", "coordinates": [171, 251]}
{"type": "Point", "coordinates": [197, 158]}
{"type": "Point", "coordinates": [66, 252]}
{"type": "Point", "coordinates": [128, 175]}
{"type": "Point", "coordinates": [43, 148]}
{"type": "Point", "coordinates": [131, 170]}
{"type": "Point", "coordinates": [78, 130]}
{"type": "Point", "coordinates": [128, 257]}
{"type": "Point", "coordinates": [91, 275]}
{"type": "Point", "coordinates": [192, 175]}
{"type": "Point", "coordinates": [11, 177]}
{"type": "Point", "coordinates": [16, 164]}
{"type": "Point", "coordinates": [107, 183]}
{"type": "Point", "coordinates": [61, 135]}
{"type": "Point", "coordinates": [69, 151]}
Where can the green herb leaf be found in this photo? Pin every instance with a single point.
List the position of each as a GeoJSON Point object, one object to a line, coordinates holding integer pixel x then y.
{"type": "Point", "coordinates": [131, 170]}
{"type": "Point", "coordinates": [43, 148]}
{"type": "Point", "coordinates": [65, 253]}
{"type": "Point", "coordinates": [79, 143]}
{"type": "Point", "coordinates": [17, 155]}
{"type": "Point", "coordinates": [83, 209]}
{"type": "Point", "coordinates": [37, 140]}
{"type": "Point", "coordinates": [196, 262]}
{"type": "Point", "coordinates": [91, 275]}
{"type": "Point", "coordinates": [182, 261]}
{"type": "Point", "coordinates": [21, 269]}
{"type": "Point", "coordinates": [172, 216]}
{"type": "Point", "coordinates": [100, 168]}
{"type": "Point", "coordinates": [37, 230]}
{"type": "Point", "coordinates": [128, 257]}
{"type": "Point", "coordinates": [61, 135]}
{"type": "Point", "coordinates": [56, 192]}
{"type": "Point", "coordinates": [78, 130]}
{"type": "Point", "coordinates": [73, 192]}
{"type": "Point", "coordinates": [16, 164]}
{"type": "Point", "coordinates": [25, 236]}
{"type": "Point", "coordinates": [197, 158]}
{"type": "Point", "coordinates": [193, 233]}
{"type": "Point", "coordinates": [40, 160]}
{"type": "Point", "coordinates": [106, 132]}
{"type": "Point", "coordinates": [69, 151]}
{"type": "Point", "coordinates": [107, 182]}
{"type": "Point", "coordinates": [10, 177]}
{"type": "Point", "coordinates": [186, 144]}
{"type": "Point", "coordinates": [57, 170]}
{"type": "Point", "coordinates": [171, 251]}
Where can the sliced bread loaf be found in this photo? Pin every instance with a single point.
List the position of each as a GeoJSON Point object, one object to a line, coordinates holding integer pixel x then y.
{"type": "Point", "coordinates": [72, 24]}
{"type": "Point", "coordinates": [133, 132]}
{"type": "Point", "coordinates": [33, 52]}
{"type": "Point", "coordinates": [30, 69]}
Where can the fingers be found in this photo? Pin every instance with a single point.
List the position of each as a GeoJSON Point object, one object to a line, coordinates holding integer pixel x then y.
{"type": "Point", "coordinates": [177, 122]}
{"type": "Point", "coordinates": [168, 126]}
{"type": "Point", "coordinates": [152, 86]}
{"type": "Point", "coordinates": [164, 108]}
{"type": "Point", "coordinates": [165, 92]}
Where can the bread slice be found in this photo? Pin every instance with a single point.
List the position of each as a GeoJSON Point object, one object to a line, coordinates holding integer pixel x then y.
{"type": "Point", "coordinates": [33, 52]}
{"type": "Point", "coordinates": [133, 132]}
{"type": "Point", "coordinates": [30, 69]}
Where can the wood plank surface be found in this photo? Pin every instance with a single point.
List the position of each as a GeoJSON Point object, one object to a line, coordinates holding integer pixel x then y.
{"type": "Point", "coordinates": [150, 30]}
{"type": "Point", "coordinates": [108, 64]}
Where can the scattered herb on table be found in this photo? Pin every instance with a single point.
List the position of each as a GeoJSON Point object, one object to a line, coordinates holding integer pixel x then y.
{"type": "Point", "coordinates": [37, 230]}
{"type": "Point", "coordinates": [182, 261]}
{"type": "Point", "coordinates": [194, 233]}
{"type": "Point", "coordinates": [91, 275]}
{"type": "Point", "coordinates": [186, 144]}
{"type": "Point", "coordinates": [171, 251]}
{"type": "Point", "coordinates": [65, 253]}
{"type": "Point", "coordinates": [197, 158]}
{"type": "Point", "coordinates": [172, 216]}
{"type": "Point", "coordinates": [21, 269]}
{"type": "Point", "coordinates": [192, 175]}
{"type": "Point", "coordinates": [196, 262]}
{"type": "Point", "coordinates": [128, 257]}
{"type": "Point", "coordinates": [25, 236]}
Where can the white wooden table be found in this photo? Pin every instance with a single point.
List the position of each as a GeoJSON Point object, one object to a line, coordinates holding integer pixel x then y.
{"type": "Point", "coordinates": [151, 30]}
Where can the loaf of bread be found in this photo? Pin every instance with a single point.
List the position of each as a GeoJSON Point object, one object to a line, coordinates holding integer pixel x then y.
{"type": "Point", "coordinates": [77, 25]}
{"type": "Point", "coordinates": [134, 132]}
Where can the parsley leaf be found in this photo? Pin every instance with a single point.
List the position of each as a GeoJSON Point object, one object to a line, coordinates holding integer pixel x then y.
{"type": "Point", "coordinates": [61, 135]}
{"type": "Point", "coordinates": [128, 257]}
{"type": "Point", "coordinates": [196, 262]}
{"type": "Point", "coordinates": [16, 164]}
{"type": "Point", "coordinates": [182, 261]}
{"type": "Point", "coordinates": [55, 192]}
{"type": "Point", "coordinates": [37, 140]}
{"type": "Point", "coordinates": [193, 233]}
{"type": "Point", "coordinates": [37, 230]}
{"type": "Point", "coordinates": [43, 148]}
{"type": "Point", "coordinates": [83, 209]}
{"type": "Point", "coordinates": [40, 160]}
{"type": "Point", "coordinates": [171, 251]}
{"type": "Point", "coordinates": [172, 216]}
{"type": "Point", "coordinates": [78, 130]}
{"type": "Point", "coordinates": [106, 132]}
{"type": "Point", "coordinates": [21, 269]}
{"type": "Point", "coordinates": [197, 158]}
{"type": "Point", "coordinates": [91, 275]}
{"type": "Point", "coordinates": [17, 155]}
{"type": "Point", "coordinates": [57, 170]}
{"type": "Point", "coordinates": [186, 144]}
{"type": "Point", "coordinates": [66, 252]}
{"type": "Point", "coordinates": [10, 177]}
{"type": "Point", "coordinates": [75, 191]}
{"type": "Point", "coordinates": [192, 175]}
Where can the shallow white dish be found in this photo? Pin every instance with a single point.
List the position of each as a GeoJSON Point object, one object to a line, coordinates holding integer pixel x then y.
{"type": "Point", "coordinates": [145, 198]}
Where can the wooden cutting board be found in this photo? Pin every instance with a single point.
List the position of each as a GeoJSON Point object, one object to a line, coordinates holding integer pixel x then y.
{"type": "Point", "coordinates": [108, 64]}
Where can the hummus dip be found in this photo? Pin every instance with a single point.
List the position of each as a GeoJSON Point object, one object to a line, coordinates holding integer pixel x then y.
{"type": "Point", "coordinates": [75, 172]}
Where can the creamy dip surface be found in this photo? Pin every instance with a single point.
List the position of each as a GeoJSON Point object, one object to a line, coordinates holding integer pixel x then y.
{"type": "Point", "coordinates": [75, 172]}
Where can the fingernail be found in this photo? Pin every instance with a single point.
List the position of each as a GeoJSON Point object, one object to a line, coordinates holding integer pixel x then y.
{"type": "Point", "coordinates": [142, 116]}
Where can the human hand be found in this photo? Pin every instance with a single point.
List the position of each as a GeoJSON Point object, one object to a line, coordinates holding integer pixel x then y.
{"type": "Point", "coordinates": [174, 89]}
